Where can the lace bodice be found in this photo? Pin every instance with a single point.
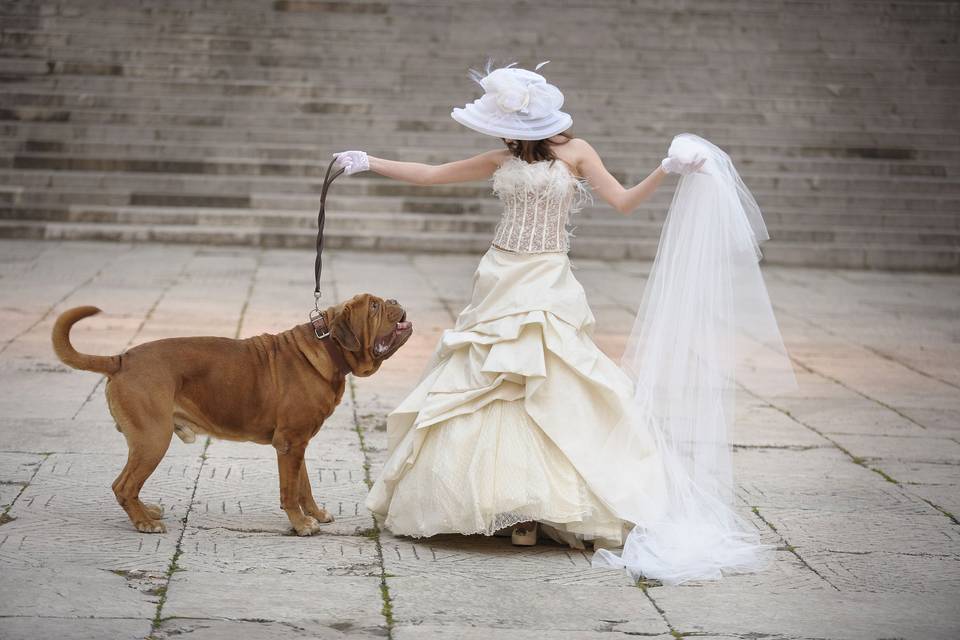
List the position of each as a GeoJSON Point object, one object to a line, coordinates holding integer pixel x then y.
{"type": "Point", "coordinates": [538, 200]}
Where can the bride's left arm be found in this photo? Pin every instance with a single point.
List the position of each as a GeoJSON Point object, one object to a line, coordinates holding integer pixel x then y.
{"type": "Point", "coordinates": [479, 167]}
{"type": "Point", "coordinates": [608, 188]}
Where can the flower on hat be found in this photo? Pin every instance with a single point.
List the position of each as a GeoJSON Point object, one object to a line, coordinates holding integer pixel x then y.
{"type": "Point", "coordinates": [510, 93]}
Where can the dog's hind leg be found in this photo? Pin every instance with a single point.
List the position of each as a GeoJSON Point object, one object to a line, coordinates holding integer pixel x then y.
{"type": "Point", "coordinates": [146, 421]}
{"type": "Point", "coordinates": [307, 503]}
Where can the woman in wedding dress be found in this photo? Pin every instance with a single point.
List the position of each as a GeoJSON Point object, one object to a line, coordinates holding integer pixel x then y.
{"type": "Point", "coordinates": [520, 422]}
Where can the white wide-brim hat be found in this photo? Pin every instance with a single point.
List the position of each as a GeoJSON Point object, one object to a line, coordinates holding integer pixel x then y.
{"type": "Point", "coordinates": [517, 105]}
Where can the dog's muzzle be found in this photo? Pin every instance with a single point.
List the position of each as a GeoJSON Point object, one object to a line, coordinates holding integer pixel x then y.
{"type": "Point", "coordinates": [386, 345]}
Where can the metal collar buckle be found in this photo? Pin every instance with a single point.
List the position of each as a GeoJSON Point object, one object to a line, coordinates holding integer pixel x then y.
{"type": "Point", "coordinates": [317, 318]}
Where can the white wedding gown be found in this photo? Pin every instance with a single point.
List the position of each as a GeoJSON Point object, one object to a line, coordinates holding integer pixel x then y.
{"type": "Point", "coordinates": [503, 427]}
{"type": "Point", "coordinates": [520, 416]}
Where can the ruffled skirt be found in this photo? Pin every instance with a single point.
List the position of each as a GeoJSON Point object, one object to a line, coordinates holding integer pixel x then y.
{"type": "Point", "coordinates": [511, 419]}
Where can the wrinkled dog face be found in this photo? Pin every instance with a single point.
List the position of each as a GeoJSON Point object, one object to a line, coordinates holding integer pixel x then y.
{"type": "Point", "coordinates": [370, 330]}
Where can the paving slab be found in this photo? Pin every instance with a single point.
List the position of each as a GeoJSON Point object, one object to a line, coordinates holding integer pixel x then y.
{"type": "Point", "coordinates": [504, 603]}
{"type": "Point", "coordinates": [78, 628]}
{"type": "Point", "coordinates": [213, 629]}
{"type": "Point", "coordinates": [67, 592]}
{"type": "Point", "coordinates": [303, 600]}
{"type": "Point", "coordinates": [67, 516]}
{"type": "Point", "coordinates": [925, 448]}
{"type": "Point", "coordinates": [734, 610]}
{"type": "Point", "coordinates": [480, 632]}
{"type": "Point", "coordinates": [244, 494]}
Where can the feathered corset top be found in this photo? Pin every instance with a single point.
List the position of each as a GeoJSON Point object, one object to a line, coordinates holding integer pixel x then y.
{"type": "Point", "coordinates": [538, 200]}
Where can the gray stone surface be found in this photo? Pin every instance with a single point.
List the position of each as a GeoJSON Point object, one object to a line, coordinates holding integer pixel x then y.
{"type": "Point", "coordinates": [214, 629]}
{"type": "Point", "coordinates": [302, 598]}
{"type": "Point", "coordinates": [31, 628]}
{"type": "Point", "coordinates": [509, 603]}
{"type": "Point", "coordinates": [855, 476]}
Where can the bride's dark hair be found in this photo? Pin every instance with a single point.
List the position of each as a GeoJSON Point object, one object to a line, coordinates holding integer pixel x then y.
{"type": "Point", "coordinates": [536, 150]}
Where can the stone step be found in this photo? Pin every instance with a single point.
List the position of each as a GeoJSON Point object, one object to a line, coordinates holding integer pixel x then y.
{"type": "Point", "coordinates": [311, 116]}
{"type": "Point", "coordinates": [174, 120]}
{"type": "Point", "coordinates": [21, 95]}
{"type": "Point", "coordinates": [317, 60]}
{"type": "Point", "coordinates": [763, 179]}
{"type": "Point", "coordinates": [129, 61]}
{"type": "Point", "coordinates": [948, 164]}
{"type": "Point", "coordinates": [647, 12]}
{"type": "Point", "coordinates": [859, 256]}
{"type": "Point", "coordinates": [920, 186]}
{"type": "Point", "coordinates": [940, 145]}
{"type": "Point", "coordinates": [856, 256]}
{"type": "Point", "coordinates": [197, 188]}
{"type": "Point", "coordinates": [383, 85]}
{"type": "Point", "coordinates": [406, 147]}
{"type": "Point", "coordinates": [242, 73]}
{"type": "Point", "coordinates": [776, 219]}
{"type": "Point", "coordinates": [891, 143]}
{"type": "Point", "coordinates": [236, 235]}
{"type": "Point", "coordinates": [760, 34]}
{"type": "Point", "coordinates": [652, 16]}
{"type": "Point", "coordinates": [329, 39]}
{"type": "Point", "coordinates": [424, 201]}
{"type": "Point", "coordinates": [328, 128]}
{"type": "Point", "coordinates": [226, 11]}
{"type": "Point", "coordinates": [646, 156]}
{"type": "Point", "coordinates": [612, 228]}
{"type": "Point", "coordinates": [399, 50]}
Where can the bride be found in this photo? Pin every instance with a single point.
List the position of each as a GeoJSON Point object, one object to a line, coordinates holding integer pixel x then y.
{"type": "Point", "coordinates": [520, 423]}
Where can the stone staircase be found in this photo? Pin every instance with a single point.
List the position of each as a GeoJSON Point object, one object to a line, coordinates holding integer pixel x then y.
{"type": "Point", "coordinates": [211, 121]}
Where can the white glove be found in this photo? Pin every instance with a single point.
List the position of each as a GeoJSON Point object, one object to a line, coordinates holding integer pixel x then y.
{"type": "Point", "coordinates": [352, 161]}
{"type": "Point", "coordinates": [673, 164]}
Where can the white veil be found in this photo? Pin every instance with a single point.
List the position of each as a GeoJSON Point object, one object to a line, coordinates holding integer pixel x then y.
{"type": "Point", "coordinates": [704, 327]}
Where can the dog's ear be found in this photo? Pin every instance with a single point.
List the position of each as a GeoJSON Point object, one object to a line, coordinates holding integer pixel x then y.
{"type": "Point", "coordinates": [341, 332]}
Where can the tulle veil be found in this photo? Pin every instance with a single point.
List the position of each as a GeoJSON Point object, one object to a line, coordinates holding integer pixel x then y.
{"type": "Point", "coordinates": [704, 327]}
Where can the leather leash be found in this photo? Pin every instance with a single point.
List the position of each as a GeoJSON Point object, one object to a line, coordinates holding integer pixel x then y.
{"type": "Point", "coordinates": [321, 220]}
{"type": "Point", "coordinates": [317, 317]}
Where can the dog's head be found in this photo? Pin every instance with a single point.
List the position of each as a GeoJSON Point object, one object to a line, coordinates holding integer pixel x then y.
{"type": "Point", "coordinates": [369, 330]}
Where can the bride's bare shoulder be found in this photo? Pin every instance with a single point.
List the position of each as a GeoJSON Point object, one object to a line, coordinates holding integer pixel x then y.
{"type": "Point", "coordinates": [574, 151]}
{"type": "Point", "coordinates": [580, 147]}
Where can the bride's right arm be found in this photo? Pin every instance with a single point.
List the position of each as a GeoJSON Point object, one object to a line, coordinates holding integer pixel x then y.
{"type": "Point", "coordinates": [479, 167]}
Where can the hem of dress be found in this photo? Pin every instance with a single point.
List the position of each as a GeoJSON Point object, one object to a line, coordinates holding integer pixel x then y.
{"type": "Point", "coordinates": [553, 530]}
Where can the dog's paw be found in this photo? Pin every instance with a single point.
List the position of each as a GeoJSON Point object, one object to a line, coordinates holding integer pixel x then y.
{"type": "Point", "coordinates": [321, 515]}
{"type": "Point", "coordinates": [150, 526]}
{"type": "Point", "coordinates": [154, 511]}
{"type": "Point", "coordinates": [308, 527]}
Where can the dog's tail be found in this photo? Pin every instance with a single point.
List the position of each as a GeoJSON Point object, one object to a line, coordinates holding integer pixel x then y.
{"type": "Point", "coordinates": [107, 365]}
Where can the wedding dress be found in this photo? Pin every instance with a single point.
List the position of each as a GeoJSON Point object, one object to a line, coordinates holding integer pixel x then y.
{"type": "Point", "coordinates": [519, 416]}
{"type": "Point", "coordinates": [502, 428]}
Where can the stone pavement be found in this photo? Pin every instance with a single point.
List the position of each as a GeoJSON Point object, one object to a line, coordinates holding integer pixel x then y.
{"type": "Point", "coordinates": [855, 476]}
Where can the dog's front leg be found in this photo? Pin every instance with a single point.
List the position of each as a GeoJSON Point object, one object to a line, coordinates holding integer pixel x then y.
{"type": "Point", "coordinates": [290, 463]}
{"type": "Point", "coordinates": [307, 503]}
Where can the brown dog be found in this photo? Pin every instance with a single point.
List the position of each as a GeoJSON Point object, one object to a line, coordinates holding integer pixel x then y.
{"type": "Point", "coordinates": [270, 389]}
